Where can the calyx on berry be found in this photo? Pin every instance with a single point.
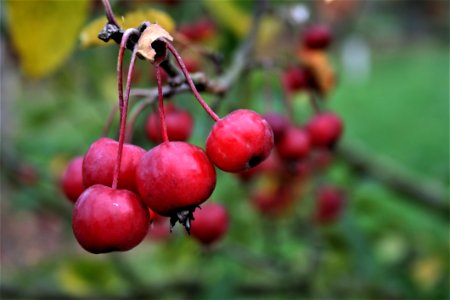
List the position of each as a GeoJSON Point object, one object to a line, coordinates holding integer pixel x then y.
{"type": "Point", "coordinates": [174, 178]}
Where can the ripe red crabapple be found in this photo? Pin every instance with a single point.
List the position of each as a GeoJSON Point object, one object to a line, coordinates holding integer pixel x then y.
{"type": "Point", "coordinates": [273, 203]}
{"type": "Point", "coordinates": [317, 37]}
{"type": "Point", "coordinates": [99, 161]}
{"type": "Point", "coordinates": [294, 145]}
{"type": "Point", "coordinates": [174, 178]}
{"type": "Point", "coordinates": [329, 205]}
{"type": "Point", "coordinates": [105, 219]}
{"type": "Point", "coordinates": [179, 124]}
{"type": "Point", "coordinates": [72, 180]}
{"type": "Point", "coordinates": [325, 129]}
{"type": "Point", "coordinates": [210, 223]}
{"type": "Point", "coordinates": [203, 29]}
{"type": "Point", "coordinates": [239, 141]}
{"type": "Point", "coordinates": [279, 123]}
{"type": "Point", "coordinates": [297, 78]}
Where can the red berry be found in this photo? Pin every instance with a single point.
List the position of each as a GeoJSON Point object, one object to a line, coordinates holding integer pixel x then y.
{"type": "Point", "coordinates": [274, 203]}
{"type": "Point", "coordinates": [201, 30]}
{"type": "Point", "coordinates": [155, 218]}
{"type": "Point", "coordinates": [297, 78]}
{"type": "Point", "coordinates": [317, 37]}
{"type": "Point", "coordinates": [174, 178]}
{"type": "Point", "coordinates": [159, 231]}
{"type": "Point", "coordinates": [72, 180]}
{"type": "Point", "coordinates": [295, 144]}
{"type": "Point", "coordinates": [106, 219]}
{"type": "Point", "coordinates": [279, 123]}
{"type": "Point", "coordinates": [178, 121]}
{"type": "Point", "coordinates": [329, 205]}
{"type": "Point", "coordinates": [239, 141]}
{"type": "Point", "coordinates": [100, 160]}
{"type": "Point", "coordinates": [210, 223]}
{"type": "Point", "coordinates": [325, 129]}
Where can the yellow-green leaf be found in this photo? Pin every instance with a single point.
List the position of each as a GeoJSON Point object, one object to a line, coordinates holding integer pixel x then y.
{"type": "Point", "coordinates": [230, 16]}
{"type": "Point", "coordinates": [44, 33]}
{"type": "Point", "coordinates": [88, 36]}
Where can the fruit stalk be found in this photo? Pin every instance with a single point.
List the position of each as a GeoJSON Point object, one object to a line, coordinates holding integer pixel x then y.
{"type": "Point", "coordinates": [161, 104]}
{"type": "Point", "coordinates": [191, 84]}
{"type": "Point", "coordinates": [123, 102]}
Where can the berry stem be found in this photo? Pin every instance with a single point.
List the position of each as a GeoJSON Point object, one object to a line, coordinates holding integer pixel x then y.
{"type": "Point", "coordinates": [123, 102]}
{"type": "Point", "coordinates": [161, 104]}
{"type": "Point", "coordinates": [191, 84]}
{"type": "Point", "coordinates": [314, 102]}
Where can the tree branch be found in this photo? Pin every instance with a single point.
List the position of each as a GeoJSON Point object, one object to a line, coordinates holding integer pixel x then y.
{"type": "Point", "coordinates": [430, 197]}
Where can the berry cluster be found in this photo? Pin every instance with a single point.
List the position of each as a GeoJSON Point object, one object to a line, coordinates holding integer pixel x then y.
{"type": "Point", "coordinates": [300, 150]}
{"type": "Point", "coordinates": [116, 185]}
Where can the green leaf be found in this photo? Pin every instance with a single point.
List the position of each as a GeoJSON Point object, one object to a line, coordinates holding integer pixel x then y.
{"type": "Point", "coordinates": [44, 33]}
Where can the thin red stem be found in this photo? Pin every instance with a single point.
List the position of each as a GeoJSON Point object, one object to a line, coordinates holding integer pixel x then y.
{"type": "Point", "coordinates": [110, 120]}
{"type": "Point", "coordinates": [123, 102]}
{"type": "Point", "coordinates": [191, 84]}
{"type": "Point", "coordinates": [313, 101]}
{"type": "Point", "coordinates": [162, 118]}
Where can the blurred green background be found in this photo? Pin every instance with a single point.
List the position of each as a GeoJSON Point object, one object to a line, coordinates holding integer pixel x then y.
{"type": "Point", "coordinates": [392, 63]}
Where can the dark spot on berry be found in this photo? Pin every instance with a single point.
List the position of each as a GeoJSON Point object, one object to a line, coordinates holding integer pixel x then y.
{"type": "Point", "coordinates": [254, 161]}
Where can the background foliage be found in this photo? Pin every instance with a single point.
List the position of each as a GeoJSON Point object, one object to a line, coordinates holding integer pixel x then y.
{"type": "Point", "coordinates": [384, 246]}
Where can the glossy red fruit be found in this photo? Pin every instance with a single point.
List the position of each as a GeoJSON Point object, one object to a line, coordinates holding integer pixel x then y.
{"type": "Point", "coordinates": [155, 218]}
{"type": "Point", "coordinates": [294, 145]}
{"type": "Point", "coordinates": [105, 220]}
{"type": "Point", "coordinates": [174, 178]}
{"type": "Point", "coordinates": [72, 180]}
{"type": "Point", "coordinates": [210, 223]}
{"type": "Point", "coordinates": [159, 231]}
{"type": "Point", "coordinates": [100, 159]}
{"type": "Point", "coordinates": [325, 129]}
{"type": "Point", "coordinates": [239, 141]}
{"type": "Point", "coordinates": [179, 124]}
{"type": "Point", "coordinates": [297, 78]}
{"type": "Point", "coordinates": [201, 30]}
{"type": "Point", "coordinates": [279, 124]}
{"type": "Point", "coordinates": [317, 37]}
{"type": "Point", "coordinates": [274, 203]}
{"type": "Point", "coordinates": [329, 205]}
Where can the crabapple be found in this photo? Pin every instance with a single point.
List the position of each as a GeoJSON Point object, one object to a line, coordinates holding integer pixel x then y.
{"type": "Point", "coordinates": [106, 219]}
{"type": "Point", "coordinates": [329, 205]}
{"type": "Point", "coordinates": [210, 223]}
{"type": "Point", "coordinates": [72, 180]}
{"type": "Point", "coordinates": [100, 159]}
{"type": "Point", "coordinates": [317, 37]}
{"type": "Point", "coordinates": [325, 129]}
{"type": "Point", "coordinates": [179, 124]}
{"type": "Point", "coordinates": [239, 141]}
{"type": "Point", "coordinates": [295, 144]}
{"type": "Point", "coordinates": [297, 78]}
{"type": "Point", "coordinates": [279, 123]}
{"type": "Point", "coordinates": [174, 178]}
